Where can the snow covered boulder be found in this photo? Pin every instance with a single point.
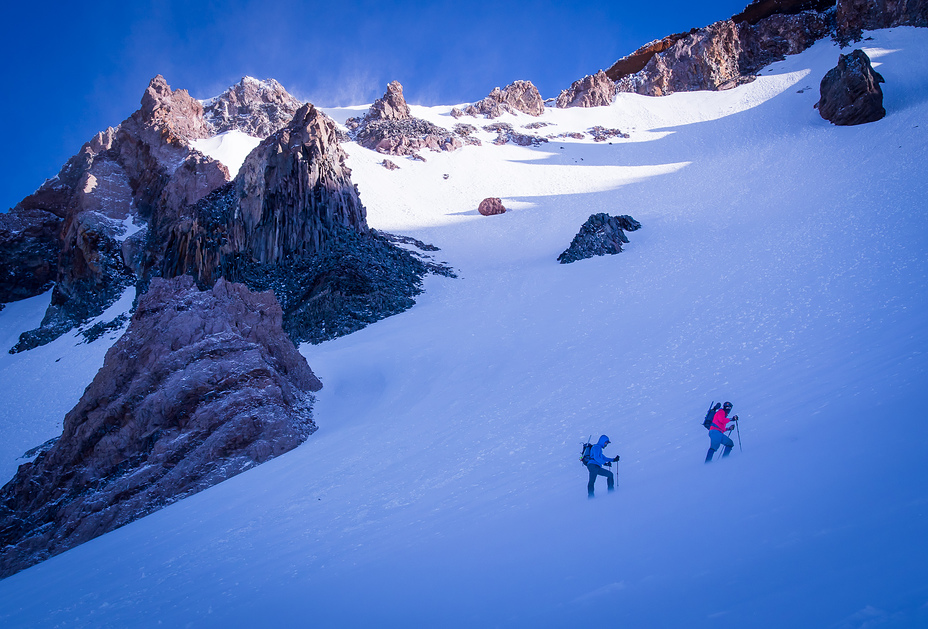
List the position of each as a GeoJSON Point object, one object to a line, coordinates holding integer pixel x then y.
{"type": "Point", "coordinates": [491, 206]}
{"type": "Point", "coordinates": [600, 235]}
{"type": "Point", "coordinates": [202, 386]}
{"type": "Point", "coordinates": [850, 92]}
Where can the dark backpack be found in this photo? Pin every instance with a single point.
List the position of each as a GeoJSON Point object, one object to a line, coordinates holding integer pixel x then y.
{"type": "Point", "coordinates": [586, 455]}
{"type": "Point", "coordinates": [707, 423]}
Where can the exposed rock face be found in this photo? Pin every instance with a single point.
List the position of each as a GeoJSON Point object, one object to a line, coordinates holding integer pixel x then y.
{"type": "Point", "coordinates": [853, 16]}
{"type": "Point", "coordinates": [143, 170]}
{"type": "Point", "coordinates": [389, 129]}
{"type": "Point", "coordinates": [600, 235]}
{"type": "Point", "coordinates": [491, 206]}
{"type": "Point", "coordinates": [391, 106]}
{"type": "Point", "coordinates": [760, 9]}
{"type": "Point", "coordinates": [520, 96]}
{"type": "Point", "coordinates": [635, 62]}
{"type": "Point", "coordinates": [289, 199]}
{"type": "Point", "coordinates": [706, 59]}
{"type": "Point", "coordinates": [202, 386]}
{"type": "Point", "coordinates": [596, 90]}
{"type": "Point", "coordinates": [357, 280]}
{"type": "Point", "coordinates": [850, 92]}
{"type": "Point", "coordinates": [727, 53]}
{"type": "Point", "coordinates": [29, 248]}
{"type": "Point", "coordinates": [774, 37]}
{"type": "Point", "coordinates": [258, 108]}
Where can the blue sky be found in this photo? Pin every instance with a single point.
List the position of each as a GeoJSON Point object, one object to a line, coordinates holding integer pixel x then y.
{"type": "Point", "coordinates": [71, 69]}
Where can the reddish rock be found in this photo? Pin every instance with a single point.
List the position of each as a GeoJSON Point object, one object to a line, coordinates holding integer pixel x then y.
{"type": "Point", "coordinates": [391, 106]}
{"type": "Point", "coordinates": [520, 96]}
{"type": "Point", "coordinates": [258, 108]}
{"type": "Point", "coordinates": [850, 93]}
{"type": "Point", "coordinates": [202, 386]}
{"type": "Point", "coordinates": [491, 206]}
{"type": "Point", "coordinates": [596, 90]}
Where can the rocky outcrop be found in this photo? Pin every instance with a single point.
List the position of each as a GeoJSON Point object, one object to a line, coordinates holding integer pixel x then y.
{"type": "Point", "coordinates": [596, 90]}
{"type": "Point", "coordinates": [29, 247]}
{"type": "Point", "coordinates": [357, 280]}
{"type": "Point", "coordinates": [202, 386]}
{"type": "Point", "coordinates": [600, 235]}
{"type": "Point", "coordinates": [635, 62]}
{"type": "Point", "coordinates": [855, 16]}
{"type": "Point", "coordinates": [491, 206]}
{"type": "Point", "coordinates": [760, 9]}
{"type": "Point", "coordinates": [727, 53]}
{"type": "Point", "coordinates": [142, 171]}
{"type": "Point", "coordinates": [258, 108]}
{"type": "Point", "coordinates": [704, 60]}
{"type": "Point", "coordinates": [289, 198]}
{"type": "Point", "coordinates": [850, 92]}
{"type": "Point", "coordinates": [406, 137]}
{"type": "Point", "coordinates": [391, 106]}
{"type": "Point", "coordinates": [773, 38]}
{"type": "Point", "coordinates": [389, 129]}
{"type": "Point", "coordinates": [519, 96]}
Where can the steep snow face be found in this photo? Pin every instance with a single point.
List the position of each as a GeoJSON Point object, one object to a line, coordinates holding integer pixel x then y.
{"type": "Point", "coordinates": [782, 264]}
{"type": "Point", "coordinates": [231, 148]}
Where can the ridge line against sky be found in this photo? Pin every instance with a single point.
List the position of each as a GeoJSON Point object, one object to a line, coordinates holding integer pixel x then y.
{"type": "Point", "coordinates": [73, 69]}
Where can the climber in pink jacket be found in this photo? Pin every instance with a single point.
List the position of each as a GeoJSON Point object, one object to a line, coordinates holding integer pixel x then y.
{"type": "Point", "coordinates": [717, 431]}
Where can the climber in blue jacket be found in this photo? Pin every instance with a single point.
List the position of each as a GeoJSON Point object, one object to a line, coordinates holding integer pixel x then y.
{"type": "Point", "coordinates": [596, 463]}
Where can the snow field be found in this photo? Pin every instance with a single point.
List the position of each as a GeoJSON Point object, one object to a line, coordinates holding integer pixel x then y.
{"type": "Point", "coordinates": [781, 264]}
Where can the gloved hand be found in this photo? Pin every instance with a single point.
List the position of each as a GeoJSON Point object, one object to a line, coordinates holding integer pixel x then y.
{"type": "Point", "coordinates": [608, 464]}
{"type": "Point", "coordinates": [735, 418]}
{"type": "Point", "coordinates": [616, 458]}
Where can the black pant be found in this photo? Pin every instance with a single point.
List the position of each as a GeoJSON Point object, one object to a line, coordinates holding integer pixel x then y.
{"type": "Point", "coordinates": [595, 471]}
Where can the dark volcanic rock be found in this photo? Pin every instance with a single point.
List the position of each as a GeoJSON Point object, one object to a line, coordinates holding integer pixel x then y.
{"type": "Point", "coordinates": [29, 247]}
{"type": "Point", "coordinates": [854, 16]}
{"type": "Point", "coordinates": [850, 92]}
{"type": "Point", "coordinates": [505, 133]}
{"type": "Point", "coordinates": [357, 280]}
{"type": "Point", "coordinates": [773, 38]}
{"type": "Point", "coordinates": [202, 386]}
{"type": "Point", "coordinates": [596, 90]}
{"type": "Point", "coordinates": [520, 96]}
{"type": "Point", "coordinates": [288, 199]}
{"type": "Point", "coordinates": [491, 206]}
{"type": "Point", "coordinates": [760, 9]}
{"type": "Point", "coordinates": [258, 108]}
{"type": "Point", "coordinates": [600, 235]}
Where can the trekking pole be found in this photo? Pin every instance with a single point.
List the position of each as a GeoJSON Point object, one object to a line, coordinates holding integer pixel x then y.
{"type": "Point", "coordinates": [738, 429]}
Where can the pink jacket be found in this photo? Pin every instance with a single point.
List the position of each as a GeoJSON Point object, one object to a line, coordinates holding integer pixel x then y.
{"type": "Point", "coordinates": [719, 421]}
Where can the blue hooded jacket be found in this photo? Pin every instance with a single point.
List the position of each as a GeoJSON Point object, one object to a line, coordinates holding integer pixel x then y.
{"type": "Point", "coordinates": [596, 452]}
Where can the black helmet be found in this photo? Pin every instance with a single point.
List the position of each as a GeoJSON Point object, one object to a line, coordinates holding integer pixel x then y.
{"type": "Point", "coordinates": [727, 406]}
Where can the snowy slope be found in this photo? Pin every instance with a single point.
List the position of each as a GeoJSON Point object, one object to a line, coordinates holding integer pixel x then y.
{"type": "Point", "coordinates": [782, 264]}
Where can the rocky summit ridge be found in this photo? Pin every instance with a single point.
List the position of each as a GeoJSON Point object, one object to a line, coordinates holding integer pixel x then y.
{"type": "Point", "coordinates": [206, 381]}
